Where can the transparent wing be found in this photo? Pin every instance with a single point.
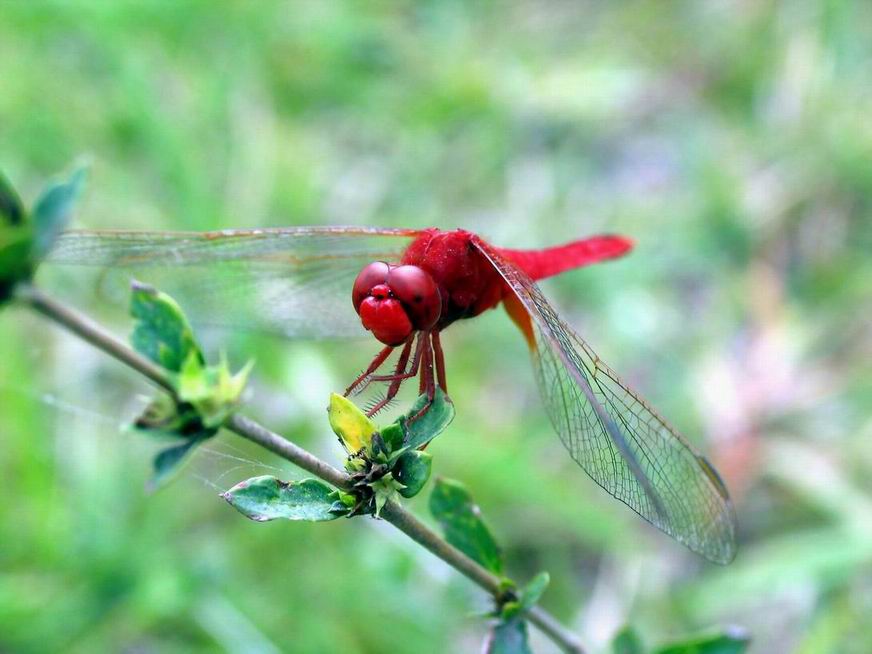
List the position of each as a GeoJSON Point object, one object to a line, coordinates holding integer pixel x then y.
{"type": "Point", "coordinates": [292, 281]}
{"type": "Point", "coordinates": [616, 437]}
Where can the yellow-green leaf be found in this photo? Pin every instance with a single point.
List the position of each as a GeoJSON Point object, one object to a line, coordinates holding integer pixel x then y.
{"type": "Point", "coordinates": [349, 423]}
{"type": "Point", "coordinates": [212, 390]}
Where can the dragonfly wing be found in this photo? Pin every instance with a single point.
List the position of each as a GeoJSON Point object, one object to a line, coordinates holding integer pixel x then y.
{"type": "Point", "coordinates": [292, 281]}
{"type": "Point", "coordinates": [616, 437]}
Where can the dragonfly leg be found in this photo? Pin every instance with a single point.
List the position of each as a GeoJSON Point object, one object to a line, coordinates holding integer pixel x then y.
{"type": "Point", "coordinates": [440, 362]}
{"type": "Point", "coordinates": [428, 383]}
{"type": "Point", "coordinates": [428, 357]}
{"type": "Point", "coordinates": [375, 365]}
{"type": "Point", "coordinates": [400, 372]}
{"type": "Point", "coordinates": [400, 375]}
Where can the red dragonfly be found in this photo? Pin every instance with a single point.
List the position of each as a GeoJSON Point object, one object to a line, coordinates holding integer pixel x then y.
{"type": "Point", "coordinates": [407, 286]}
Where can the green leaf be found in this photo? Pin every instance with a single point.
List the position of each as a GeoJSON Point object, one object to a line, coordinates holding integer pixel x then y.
{"type": "Point", "coordinates": [627, 641]}
{"type": "Point", "coordinates": [165, 417]}
{"type": "Point", "coordinates": [170, 461]}
{"type": "Point", "coordinates": [12, 212]}
{"type": "Point", "coordinates": [267, 498]}
{"type": "Point", "coordinates": [193, 378]}
{"type": "Point", "coordinates": [347, 500]}
{"type": "Point", "coordinates": [350, 424]}
{"type": "Point", "coordinates": [508, 611]}
{"type": "Point", "coordinates": [731, 641]}
{"type": "Point", "coordinates": [16, 241]}
{"type": "Point", "coordinates": [16, 244]}
{"type": "Point", "coordinates": [211, 390]}
{"type": "Point", "coordinates": [531, 593]}
{"type": "Point", "coordinates": [53, 210]}
{"type": "Point", "coordinates": [393, 436]}
{"type": "Point", "coordinates": [385, 488]}
{"type": "Point", "coordinates": [508, 637]}
{"type": "Point", "coordinates": [461, 522]}
{"type": "Point", "coordinates": [161, 331]}
{"type": "Point", "coordinates": [422, 430]}
{"type": "Point", "coordinates": [412, 471]}
{"type": "Point", "coordinates": [355, 464]}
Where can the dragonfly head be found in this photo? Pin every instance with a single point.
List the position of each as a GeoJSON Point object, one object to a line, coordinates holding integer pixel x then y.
{"type": "Point", "coordinates": [395, 301]}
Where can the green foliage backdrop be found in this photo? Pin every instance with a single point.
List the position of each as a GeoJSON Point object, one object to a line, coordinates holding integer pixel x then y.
{"type": "Point", "coordinates": [730, 139]}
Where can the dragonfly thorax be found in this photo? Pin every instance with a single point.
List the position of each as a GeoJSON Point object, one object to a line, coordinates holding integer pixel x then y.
{"type": "Point", "coordinates": [393, 301]}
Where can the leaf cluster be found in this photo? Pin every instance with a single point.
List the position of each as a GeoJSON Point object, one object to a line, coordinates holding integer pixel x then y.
{"type": "Point", "coordinates": [27, 236]}
{"type": "Point", "coordinates": [204, 395]}
{"type": "Point", "coordinates": [388, 463]}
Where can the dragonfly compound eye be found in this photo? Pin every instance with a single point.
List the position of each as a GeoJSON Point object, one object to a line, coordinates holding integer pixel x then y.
{"type": "Point", "coordinates": [415, 288]}
{"type": "Point", "coordinates": [394, 301]}
{"type": "Point", "coordinates": [385, 317]}
{"type": "Point", "coordinates": [372, 275]}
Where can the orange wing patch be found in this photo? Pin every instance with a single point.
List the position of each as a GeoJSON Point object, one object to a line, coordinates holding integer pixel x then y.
{"type": "Point", "coordinates": [519, 315]}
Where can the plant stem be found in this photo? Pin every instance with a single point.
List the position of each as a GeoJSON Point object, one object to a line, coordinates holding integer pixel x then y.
{"type": "Point", "coordinates": [392, 512]}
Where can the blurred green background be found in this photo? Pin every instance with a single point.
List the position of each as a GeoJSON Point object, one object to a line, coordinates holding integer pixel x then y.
{"type": "Point", "coordinates": [731, 139]}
